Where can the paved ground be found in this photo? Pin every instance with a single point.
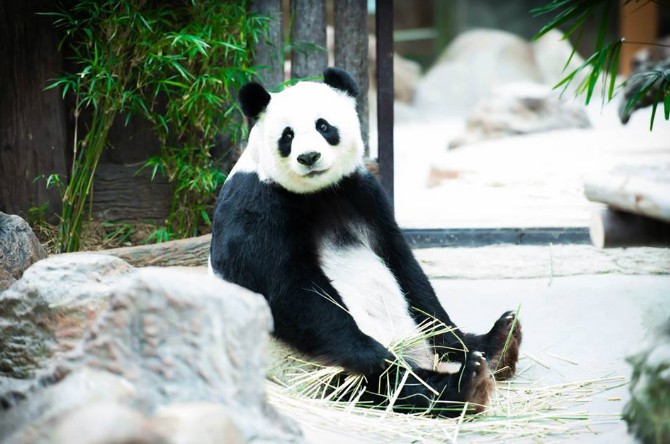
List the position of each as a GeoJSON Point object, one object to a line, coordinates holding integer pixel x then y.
{"type": "Point", "coordinates": [593, 321]}
{"type": "Point", "coordinates": [520, 181]}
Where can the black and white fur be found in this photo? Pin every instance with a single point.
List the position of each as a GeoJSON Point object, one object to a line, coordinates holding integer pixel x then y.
{"type": "Point", "coordinates": [301, 221]}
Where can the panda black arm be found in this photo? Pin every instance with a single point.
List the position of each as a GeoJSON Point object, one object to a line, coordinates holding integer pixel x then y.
{"type": "Point", "coordinates": [309, 315]}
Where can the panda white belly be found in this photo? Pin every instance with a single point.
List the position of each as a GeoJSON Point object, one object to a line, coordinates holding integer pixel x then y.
{"type": "Point", "coordinates": [373, 298]}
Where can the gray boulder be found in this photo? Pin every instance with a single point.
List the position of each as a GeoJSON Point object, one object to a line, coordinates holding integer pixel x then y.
{"type": "Point", "coordinates": [200, 423]}
{"type": "Point", "coordinates": [51, 309]}
{"type": "Point", "coordinates": [19, 248]}
{"type": "Point", "coordinates": [521, 108]}
{"type": "Point", "coordinates": [473, 65]}
{"type": "Point", "coordinates": [34, 419]}
{"type": "Point", "coordinates": [185, 353]}
{"type": "Point", "coordinates": [102, 423]}
{"type": "Point", "coordinates": [184, 336]}
{"type": "Point", "coordinates": [552, 52]}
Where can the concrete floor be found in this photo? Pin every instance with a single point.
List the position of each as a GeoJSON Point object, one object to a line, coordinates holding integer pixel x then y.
{"type": "Point", "coordinates": [594, 321]}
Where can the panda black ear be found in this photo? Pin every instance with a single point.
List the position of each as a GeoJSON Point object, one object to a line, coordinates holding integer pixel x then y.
{"type": "Point", "coordinates": [340, 79]}
{"type": "Point", "coordinates": [253, 99]}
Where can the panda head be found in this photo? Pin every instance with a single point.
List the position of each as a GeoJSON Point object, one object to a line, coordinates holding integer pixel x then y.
{"type": "Point", "coordinates": [306, 137]}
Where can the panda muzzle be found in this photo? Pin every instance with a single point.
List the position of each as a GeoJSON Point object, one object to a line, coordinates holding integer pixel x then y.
{"type": "Point", "coordinates": [309, 159]}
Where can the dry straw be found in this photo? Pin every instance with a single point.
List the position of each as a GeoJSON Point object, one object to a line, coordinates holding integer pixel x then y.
{"type": "Point", "coordinates": [521, 409]}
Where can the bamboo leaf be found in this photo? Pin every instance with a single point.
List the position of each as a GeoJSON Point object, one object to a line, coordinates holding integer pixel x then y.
{"type": "Point", "coordinates": [174, 83]}
{"type": "Point", "coordinates": [643, 86]}
{"type": "Point", "coordinates": [595, 74]}
{"type": "Point", "coordinates": [613, 68]}
{"type": "Point", "coordinates": [574, 47]}
{"type": "Point", "coordinates": [653, 115]}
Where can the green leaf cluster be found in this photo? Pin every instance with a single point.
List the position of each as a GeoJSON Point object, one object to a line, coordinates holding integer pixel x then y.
{"type": "Point", "coordinates": [603, 64]}
{"type": "Point", "coordinates": [175, 64]}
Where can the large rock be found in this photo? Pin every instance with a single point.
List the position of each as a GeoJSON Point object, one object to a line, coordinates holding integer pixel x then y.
{"type": "Point", "coordinates": [148, 346]}
{"type": "Point", "coordinates": [199, 423]}
{"type": "Point", "coordinates": [34, 419]}
{"type": "Point", "coordinates": [101, 423]}
{"type": "Point", "coordinates": [521, 108]}
{"type": "Point", "coordinates": [473, 65]}
{"type": "Point", "coordinates": [19, 248]}
{"type": "Point", "coordinates": [51, 309]}
{"type": "Point", "coordinates": [552, 52]}
{"type": "Point", "coordinates": [184, 336]}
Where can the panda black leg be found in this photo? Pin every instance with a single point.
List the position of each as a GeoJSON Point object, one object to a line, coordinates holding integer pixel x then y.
{"type": "Point", "coordinates": [439, 394]}
{"type": "Point", "coordinates": [500, 345]}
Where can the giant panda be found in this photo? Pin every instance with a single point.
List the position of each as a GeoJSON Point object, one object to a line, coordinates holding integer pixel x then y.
{"type": "Point", "coordinates": [301, 221]}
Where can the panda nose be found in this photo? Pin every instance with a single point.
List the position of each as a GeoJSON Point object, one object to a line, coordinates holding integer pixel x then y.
{"type": "Point", "coordinates": [308, 159]}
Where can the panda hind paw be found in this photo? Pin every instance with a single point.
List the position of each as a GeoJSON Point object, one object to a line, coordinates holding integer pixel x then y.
{"type": "Point", "coordinates": [480, 383]}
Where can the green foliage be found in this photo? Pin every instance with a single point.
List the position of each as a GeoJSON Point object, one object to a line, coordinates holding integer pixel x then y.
{"type": "Point", "coordinates": [175, 64]}
{"type": "Point", "coordinates": [160, 235]}
{"type": "Point", "coordinates": [648, 410]}
{"type": "Point", "coordinates": [118, 233]}
{"type": "Point", "coordinates": [604, 62]}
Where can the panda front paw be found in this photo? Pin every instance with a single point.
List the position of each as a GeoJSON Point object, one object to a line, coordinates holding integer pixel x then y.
{"type": "Point", "coordinates": [502, 345]}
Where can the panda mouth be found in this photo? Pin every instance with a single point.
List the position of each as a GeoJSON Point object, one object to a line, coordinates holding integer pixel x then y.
{"type": "Point", "coordinates": [315, 173]}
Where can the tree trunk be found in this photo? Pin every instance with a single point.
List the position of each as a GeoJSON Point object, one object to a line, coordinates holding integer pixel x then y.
{"type": "Point", "coordinates": [121, 193]}
{"type": "Point", "coordinates": [641, 189]}
{"type": "Point", "coordinates": [270, 51]}
{"type": "Point", "coordinates": [191, 252]}
{"type": "Point", "coordinates": [351, 51]}
{"type": "Point", "coordinates": [32, 120]}
{"type": "Point", "coordinates": [307, 30]}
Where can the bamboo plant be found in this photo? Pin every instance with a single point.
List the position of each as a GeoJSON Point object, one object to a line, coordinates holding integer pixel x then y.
{"type": "Point", "coordinates": [175, 64]}
{"type": "Point", "coordinates": [649, 85]}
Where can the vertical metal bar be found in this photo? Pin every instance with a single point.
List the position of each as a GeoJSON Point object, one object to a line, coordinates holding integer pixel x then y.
{"type": "Point", "coordinates": [384, 31]}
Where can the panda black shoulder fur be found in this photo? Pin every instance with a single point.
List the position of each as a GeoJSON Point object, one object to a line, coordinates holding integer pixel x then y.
{"type": "Point", "coordinates": [302, 222]}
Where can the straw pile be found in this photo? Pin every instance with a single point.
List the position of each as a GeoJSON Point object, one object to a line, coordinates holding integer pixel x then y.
{"type": "Point", "coordinates": [521, 409]}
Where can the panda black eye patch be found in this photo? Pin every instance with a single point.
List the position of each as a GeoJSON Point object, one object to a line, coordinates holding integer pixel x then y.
{"type": "Point", "coordinates": [329, 132]}
{"type": "Point", "coordinates": [285, 141]}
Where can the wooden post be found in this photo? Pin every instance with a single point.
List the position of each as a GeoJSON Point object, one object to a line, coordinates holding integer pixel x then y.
{"type": "Point", "coordinates": [611, 228]}
{"type": "Point", "coordinates": [269, 52]}
{"type": "Point", "coordinates": [32, 120]}
{"type": "Point", "coordinates": [351, 51]}
{"type": "Point", "coordinates": [638, 23]}
{"type": "Point", "coordinates": [308, 29]}
{"type": "Point", "coordinates": [384, 25]}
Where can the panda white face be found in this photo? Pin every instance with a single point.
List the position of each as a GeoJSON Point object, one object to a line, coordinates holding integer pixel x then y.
{"type": "Point", "coordinates": [307, 138]}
